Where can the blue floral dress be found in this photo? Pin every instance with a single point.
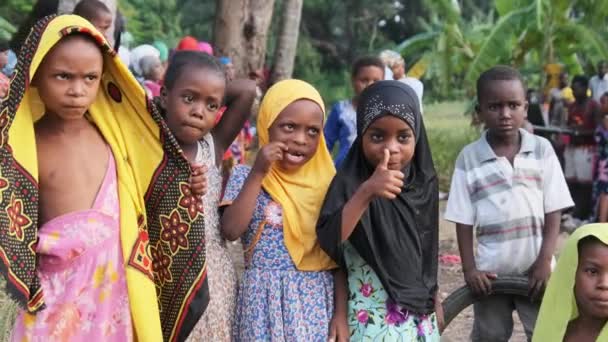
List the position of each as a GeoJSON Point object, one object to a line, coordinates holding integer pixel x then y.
{"type": "Point", "coordinates": [276, 302]}
{"type": "Point", "coordinates": [372, 316]}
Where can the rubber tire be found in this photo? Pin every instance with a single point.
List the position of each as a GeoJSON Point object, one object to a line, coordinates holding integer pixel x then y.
{"type": "Point", "coordinates": [463, 297]}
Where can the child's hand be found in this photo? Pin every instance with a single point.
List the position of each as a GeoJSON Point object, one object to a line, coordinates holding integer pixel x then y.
{"type": "Point", "coordinates": [268, 155]}
{"type": "Point", "coordinates": [538, 275]}
{"type": "Point", "coordinates": [338, 328]}
{"type": "Point", "coordinates": [384, 182]}
{"type": "Point", "coordinates": [198, 180]}
{"type": "Point", "coordinates": [479, 282]}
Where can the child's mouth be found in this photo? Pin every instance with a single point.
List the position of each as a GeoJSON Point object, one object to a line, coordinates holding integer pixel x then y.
{"type": "Point", "coordinates": [294, 157]}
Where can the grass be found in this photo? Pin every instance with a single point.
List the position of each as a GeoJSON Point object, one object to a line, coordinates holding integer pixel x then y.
{"type": "Point", "coordinates": [448, 130]}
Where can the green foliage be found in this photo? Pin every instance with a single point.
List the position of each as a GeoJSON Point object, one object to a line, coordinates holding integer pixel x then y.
{"type": "Point", "coordinates": [6, 29]}
{"type": "Point", "coordinates": [149, 20]}
{"type": "Point", "coordinates": [448, 132]}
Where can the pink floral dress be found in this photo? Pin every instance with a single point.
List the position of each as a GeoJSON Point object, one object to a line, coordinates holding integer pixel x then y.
{"type": "Point", "coordinates": [373, 316]}
{"type": "Point", "coordinates": [81, 270]}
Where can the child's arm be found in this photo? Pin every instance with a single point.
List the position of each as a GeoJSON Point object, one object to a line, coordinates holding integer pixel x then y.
{"type": "Point", "coordinates": [383, 183]}
{"type": "Point", "coordinates": [239, 98]}
{"type": "Point", "coordinates": [338, 330]}
{"type": "Point", "coordinates": [477, 280]}
{"type": "Point", "coordinates": [236, 217]}
{"type": "Point", "coordinates": [539, 272]}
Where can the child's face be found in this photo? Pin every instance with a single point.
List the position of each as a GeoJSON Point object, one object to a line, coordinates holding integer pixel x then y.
{"type": "Point", "coordinates": [102, 22]}
{"type": "Point", "coordinates": [398, 70]}
{"type": "Point", "coordinates": [604, 103]}
{"type": "Point", "coordinates": [299, 126]}
{"type": "Point", "coordinates": [591, 282]}
{"type": "Point", "coordinates": [579, 91]}
{"type": "Point", "coordinates": [503, 107]}
{"type": "Point", "coordinates": [365, 77]}
{"type": "Point", "coordinates": [192, 103]}
{"type": "Point", "coordinates": [68, 82]}
{"type": "Point", "coordinates": [394, 134]}
{"type": "Point", "coordinates": [157, 72]}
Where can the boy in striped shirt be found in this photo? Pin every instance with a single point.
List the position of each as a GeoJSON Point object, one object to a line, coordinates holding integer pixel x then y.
{"type": "Point", "coordinates": [509, 187]}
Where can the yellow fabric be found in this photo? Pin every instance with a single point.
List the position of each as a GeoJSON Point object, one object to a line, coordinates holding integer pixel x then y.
{"type": "Point", "coordinates": [300, 193]}
{"type": "Point", "coordinates": [558, 307]}
{"type": "Point", "coordinates": [134, 138]}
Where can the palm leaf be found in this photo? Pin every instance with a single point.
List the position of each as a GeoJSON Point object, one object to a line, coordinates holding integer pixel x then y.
{"type": "Point", "coordinates": [586, 37]}
{"type": "Point", "coordinates": [502, 32]}
{"type": "Point", "coordinates": [417, 43]}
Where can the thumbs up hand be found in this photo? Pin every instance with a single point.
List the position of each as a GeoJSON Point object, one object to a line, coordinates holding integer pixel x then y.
{"type": "Point", "coordinates": [384, 182]}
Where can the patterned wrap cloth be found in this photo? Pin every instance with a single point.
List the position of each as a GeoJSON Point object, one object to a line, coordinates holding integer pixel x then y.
{"type": "Point", "coordinates": [161, 225]}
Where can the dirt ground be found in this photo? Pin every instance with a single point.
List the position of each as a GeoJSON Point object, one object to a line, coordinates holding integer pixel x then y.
{"type": "Point", "coordinates": [450, 279]}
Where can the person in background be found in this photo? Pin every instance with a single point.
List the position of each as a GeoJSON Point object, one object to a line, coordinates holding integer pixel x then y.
{"type": "Point", "coordinates": [600, 181]}
{"type": "Point", "coordinates": [97, 13]}
{"type": "Point", "coordinates": [163, 50]}
{"type": "Point", "coordinates": [187, 43]}
{"type": "Point", "coordinates": [205, 47]}
{"type": "Point", "coordinates": [152, 71]}
{"type": "Point", "coordinates": [341, 124]}
{"type": "Point", "coordinates": [509, 188]}
{"type": "Point", "coordinates": [137, 55]}
{"type": "Point", "coordinates": [397, 65]}
{"type": "Point", "coordinates": [583, 116]}
{"type": "Point", "coordinates": [4, 80]}
{"type": "Point", "coordinates": [599, 83]}
{"type": "Point", "coordinates": [229, 67]}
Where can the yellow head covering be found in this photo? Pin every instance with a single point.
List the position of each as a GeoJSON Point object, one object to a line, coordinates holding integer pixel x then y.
{"type": "Point", "coordinates": [558, 307]}
{"type": "Point", "coordinates": [300, 193]}
{"type": "Point", "coordinates": [149, 166]}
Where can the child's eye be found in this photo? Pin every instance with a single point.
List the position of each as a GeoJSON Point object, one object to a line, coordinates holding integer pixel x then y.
{"type": "Point", "coordinates": [91, 78]}
{"type": "Point", "coordinates": [212, 106]}
{"type": "Point", "coordinates": [591, 271]}
{"type": "Point", "coordinates": [403, 138]}
{"type": "Point", "coordinates": [188, 98]}
{"type": "Point", "coordinates": [376, 137]}
{"type": "Point", "coordinates": [513, 105]}
{"type": "Point", "coordinates": [313, 132]}
{"type": "Point", "coordinates": [62, 76]}
{"type": "Point", "coordinates": [493, 107]}
{"type": "Point", "coordinates": [289, 127]}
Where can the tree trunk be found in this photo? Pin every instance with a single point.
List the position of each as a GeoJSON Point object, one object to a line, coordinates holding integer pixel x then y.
{"type": "Point", "coordinates": [285, 52]}
{"type": "Point", "coordinates": [241, 32]}
{"type": "Point", "coordinates": [67, 6]}
{"type": "Point", "coordinates": [229, 19]}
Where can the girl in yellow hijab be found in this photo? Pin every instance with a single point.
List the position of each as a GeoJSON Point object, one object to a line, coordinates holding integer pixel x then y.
{"type": "Point", "coordinates": [287, 289]}
{"type": "Point", "coordinates": [575, 304]}
{"type": "Point", "coordinates": [96, 243]}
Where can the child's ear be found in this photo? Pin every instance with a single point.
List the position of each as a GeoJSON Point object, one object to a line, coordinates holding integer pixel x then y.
{"type": "Point", "coordinates": [526, 105]}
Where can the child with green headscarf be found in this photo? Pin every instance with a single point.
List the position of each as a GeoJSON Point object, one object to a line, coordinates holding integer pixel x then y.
{"type": "Point", "coordinates": [575, 305]}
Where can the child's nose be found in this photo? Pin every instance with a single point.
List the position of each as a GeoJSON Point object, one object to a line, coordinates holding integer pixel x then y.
{"type": "Point", "coordinates": [77, 89]}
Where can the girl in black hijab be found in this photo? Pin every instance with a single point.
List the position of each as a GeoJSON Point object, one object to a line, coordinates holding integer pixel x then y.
{"type": "Point", "coordinates": [379, 221]}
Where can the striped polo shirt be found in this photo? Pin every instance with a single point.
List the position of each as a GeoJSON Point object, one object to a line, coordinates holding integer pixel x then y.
{"type": "Point", "coordinates": [506, 204]}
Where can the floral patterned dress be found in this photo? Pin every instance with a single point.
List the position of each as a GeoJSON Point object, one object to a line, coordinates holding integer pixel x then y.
{"type": "Point", "coordinates": [80, 266]}
{"type": "Point", "coordinates": [372, 316]}
{"type": "Point", "coordinates": [276, 301]}
{"type": "Point", "coordinates": [216, 323]}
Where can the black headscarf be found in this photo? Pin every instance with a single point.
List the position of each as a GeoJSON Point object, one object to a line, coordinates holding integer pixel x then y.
{"type": "Point", "coordinates": [398, 238]}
